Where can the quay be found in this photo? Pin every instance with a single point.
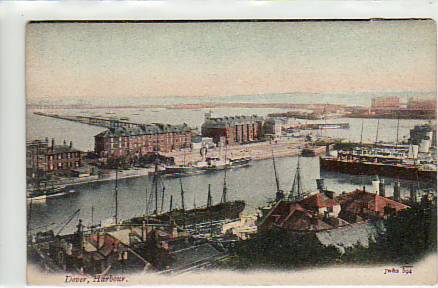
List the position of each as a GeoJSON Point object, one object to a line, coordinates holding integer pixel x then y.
{"type": "Point", "coordinates": [258, 151]}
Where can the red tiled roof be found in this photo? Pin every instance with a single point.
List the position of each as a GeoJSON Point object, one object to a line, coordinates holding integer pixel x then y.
{"type": "Point", "coordinates": [355, 201]}
{"type": "Point", "coordinates": [319, 200]}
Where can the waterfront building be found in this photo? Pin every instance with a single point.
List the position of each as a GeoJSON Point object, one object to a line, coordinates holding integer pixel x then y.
{"type": "Point", "coordinates": [416, 103]}
{"type": "Point", "coordinates": [43, 158]}
{"type": "Point", "coordinates": [233, 130]}
{"type": "Point", "coordinates": [141, 139]}
{"type": "Point", "coordinates": [387, 103]}
{"type": "Point", "coordinates": [273, 127]}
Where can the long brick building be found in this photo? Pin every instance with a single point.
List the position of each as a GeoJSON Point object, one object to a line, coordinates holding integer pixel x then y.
{"type": "Point", "coordinates": [139, 140]}
{"type": "Point", "coordinates": [233, 130]}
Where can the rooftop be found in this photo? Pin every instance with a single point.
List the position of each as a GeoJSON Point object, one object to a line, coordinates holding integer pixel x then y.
{"type": "Point", "coordinates": [146, 129]}
{"type": "Point", "coordinates": [61, 149]}
{"type": "Point", "coordinates": [355, 201]}
{"type": "Point", "coordinates": [319, 200]}
{"type": "Point", "coordinates": [228, 121]}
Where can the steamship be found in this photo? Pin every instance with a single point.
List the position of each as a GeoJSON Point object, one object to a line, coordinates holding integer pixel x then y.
{"type": "Point", "coordinates": [410, 162]}
{"type": "Point", "coordinates": [390, 162]}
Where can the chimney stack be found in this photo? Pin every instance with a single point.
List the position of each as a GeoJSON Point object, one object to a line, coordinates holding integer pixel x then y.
{"type": "Point", "coordinates": [397, 190]}
{"type": "Point", "coordinates": [327, 150]}
{"type": "Point", "coordinates": [413, 193]}
{"type": "Point", "coordinates": [64, 143]}
{"type": "Point", "coordinates": [376, 184]}
{"type": "Point", "coordinates": [53, 143]}
{"type": "Point", "coordinates": [382, 188]}
{"type": "Point", "coordinates": [71, 144]}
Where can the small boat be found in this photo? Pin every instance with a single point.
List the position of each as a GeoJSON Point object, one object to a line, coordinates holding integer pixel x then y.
{"type": "Point", "coordinates": [211, 164]}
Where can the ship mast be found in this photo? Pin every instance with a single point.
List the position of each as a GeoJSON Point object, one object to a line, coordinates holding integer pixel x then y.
{"type": "Point", "coordinates": [194, 201]}
{"type": "Point", "coordinates": [279, 194]}
{"type": "Point", "coordinates": [182, 202]}
{"type": "Point", "coordinates": [182, 195]}
{"type": "Point", "coordinates": [116, 194]}
{"type": "Point", "coordinates": [171, 203]}
{"type": "Point", "coordinates": [398, 125]}
{"type": "Point", "coordinates": [156, 186]}
{"type": "Point", "coordinates": [209, 200]}
{"type": "Point", "coordinates": [296, 185]}
{"type": "Point", "coordinates": [162, 198]}
{"type": "Point", "coordinates": [156, 177]}
{"type": "Point", "coordinates": [361, 133]}
{"type": "Point", "coordinates": [146, 201]}
{"type": "Point", "coordinates": [209, 196]}
{"type": "Point", "coordinates": [377, 132]}
{"type": "Point", "coordinates": [224, 190]}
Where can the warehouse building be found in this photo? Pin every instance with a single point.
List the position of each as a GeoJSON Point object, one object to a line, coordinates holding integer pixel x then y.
{"type": "Point", "coordinates": [233, 130]}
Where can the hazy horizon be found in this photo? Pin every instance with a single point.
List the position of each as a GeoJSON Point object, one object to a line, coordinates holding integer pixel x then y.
{"type": "Point", "coordinates": [125, 62]}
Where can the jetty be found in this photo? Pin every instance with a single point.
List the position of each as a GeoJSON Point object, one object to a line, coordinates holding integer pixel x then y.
{"type": "Point", "coordinates": [93, 121]}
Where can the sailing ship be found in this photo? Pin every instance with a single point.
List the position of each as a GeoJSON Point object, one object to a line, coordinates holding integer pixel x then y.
{"type": "Point", "coordinates": [225, 209]}
{"type": "Point", "coordinates": [296, 194]}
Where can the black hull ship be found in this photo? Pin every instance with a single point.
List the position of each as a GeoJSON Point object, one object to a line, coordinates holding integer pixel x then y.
{"type": "Point", "coordinates": [220, 211]}
{"type": "Point", "coordinates": [402, 171]}
{"type": "Point", "coordinates": [410, 162]}
{"type": "Point", "coordinates": [224, 210]}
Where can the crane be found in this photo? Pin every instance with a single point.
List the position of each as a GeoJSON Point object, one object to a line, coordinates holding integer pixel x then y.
{"type": "Point", "coordinates": [68, 221]}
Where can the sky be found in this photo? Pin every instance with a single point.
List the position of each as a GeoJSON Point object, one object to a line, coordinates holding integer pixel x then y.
{"type": "Point", "coordinates": [86, 61]}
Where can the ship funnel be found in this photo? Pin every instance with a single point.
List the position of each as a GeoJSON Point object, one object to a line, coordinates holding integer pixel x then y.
{"type": "Point", "coordinates": [382, 188]}
{"type": "Point", "coordinates": [424, 146]}
{"type": "Point", "coordinates": [413, 193]}
{"type": "Point", "coordinates": [397, 191]}
{"type": "Point", "coordinates": [376, 184]}
{"type": "Point", "coordinates": [320, 185]}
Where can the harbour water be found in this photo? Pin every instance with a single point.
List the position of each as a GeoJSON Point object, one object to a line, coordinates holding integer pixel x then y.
{"type": "Point", "coordinates": [254, 184]}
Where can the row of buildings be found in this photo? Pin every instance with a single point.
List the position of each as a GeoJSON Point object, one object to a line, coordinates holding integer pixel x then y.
{"type": "Point", "coordinates": [141, 139]}
{"type": "Point", "coordinates": [394, 102]}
